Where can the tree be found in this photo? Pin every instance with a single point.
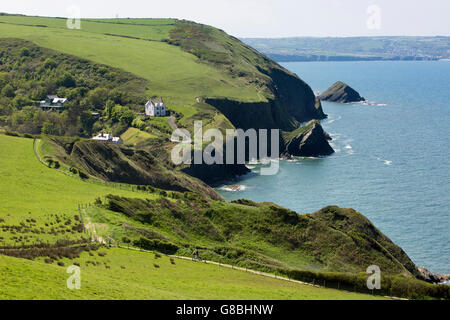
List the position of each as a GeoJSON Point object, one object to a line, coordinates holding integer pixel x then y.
{"type": "Point", "coordinates": [19, 102]}
{"type": "Point", "coordinates": [97, 97]}
{"type": "Point", "coordinates": [49, 63]}
{"type": "Point", "coordinates": [109, 109]}
{"type": "Point", "coordinates": [3, 79]}
{"type": "Point", "coordinates": [8, 91]}
{"type": "Point", "coordinates": [122, 114]}
{"type": "Point", "coordinates": [86, 122]}
{"type": "Point", "coordinates": [66, 80]}
{"type": "Point", "coordinates": [25, 52]}
{"type": "Point", "coordinates": [48, 128]}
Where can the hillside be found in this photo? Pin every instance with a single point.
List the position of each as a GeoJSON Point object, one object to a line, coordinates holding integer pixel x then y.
{"type": "Point", "coordinates": [179, 59]}
{"type": "Point", "coordinates": [132, 276]}
{"type": "Point", "coordinates": [201, 72]}
{"type": "Point", "coordinates": [52, 198]}
{"type": "Point", "coordinates": [67, 199]}
{"type": "Point", "coordinates": [265, 237]}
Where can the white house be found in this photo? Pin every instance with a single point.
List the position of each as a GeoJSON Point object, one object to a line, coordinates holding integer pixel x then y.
{"type": "Point", "coordinates": [155, 108]}
{"type": "Point", "coordinates": [106, 137]}
{"type": "Point", "coordinates": [52, 103]}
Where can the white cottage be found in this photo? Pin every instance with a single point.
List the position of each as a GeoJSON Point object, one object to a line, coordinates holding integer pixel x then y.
{"type": "Point", "coordinates": [155, 108]}
{"type": "Point", "coordinates": [106, 137]}
{"type": "Point", "coordinates": [52, 102]}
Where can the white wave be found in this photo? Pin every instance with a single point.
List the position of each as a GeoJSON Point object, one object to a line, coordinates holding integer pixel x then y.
{"type": "Point", "coordinates": [330, 121]}
{"type": "Point", "coordinates": [234, 188]}
{"type": "Point", "coordinates": [374, 104]}
{"type": "Point", "coordinates": [386, 162]}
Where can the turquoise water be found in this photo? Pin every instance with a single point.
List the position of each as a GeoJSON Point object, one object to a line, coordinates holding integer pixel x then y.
{"type": "Point", "coordinates": [392, 161]}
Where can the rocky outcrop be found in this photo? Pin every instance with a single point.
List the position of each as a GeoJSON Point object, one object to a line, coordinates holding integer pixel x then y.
{"type": "Point", "coordinates": [342, 93]}
{"type": "Point", "coordinates": [431, 277]}
{"type": "Point", "coordinates": [308, 141]}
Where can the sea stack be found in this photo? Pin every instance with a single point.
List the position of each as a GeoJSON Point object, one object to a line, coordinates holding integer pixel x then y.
{"type": "Point", "coordinates": [309, 141]}
{"type": "Point", "coordinates": [341, 93]}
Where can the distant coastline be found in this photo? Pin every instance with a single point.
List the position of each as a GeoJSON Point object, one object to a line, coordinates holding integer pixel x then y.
{"type": "Point", "coordinates": [380, 48]}
{"type": "Point", "coordinates": [314, 58]}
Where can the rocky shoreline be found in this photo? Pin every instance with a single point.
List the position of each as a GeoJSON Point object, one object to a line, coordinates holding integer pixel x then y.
{"type": "Point", "coordinates": [432, 277]}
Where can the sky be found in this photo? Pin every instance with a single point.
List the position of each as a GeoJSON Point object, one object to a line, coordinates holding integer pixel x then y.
{"type": "Point", "coordinates": [267, 18]}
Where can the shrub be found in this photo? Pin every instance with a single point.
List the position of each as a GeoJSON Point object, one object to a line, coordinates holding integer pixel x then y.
{"type": "Point", "coordinates": [82, 175]}
{"type": "Point", "coordinates": [156, 244]}
{"type": "Point", "coordinates": [8, 91]}
{"type": "Point", "coordinates": [11, 133]}
{"type": "Point", "coordinates": [25, 52]}
{"type": "Point", "coordinates": [60, 263]}
{"type": "Point", "coordinates": [102, 254]}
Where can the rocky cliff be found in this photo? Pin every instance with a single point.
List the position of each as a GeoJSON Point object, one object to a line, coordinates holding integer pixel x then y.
{"type": "Point", "coordinates": [308, 141]}
{"type": "Point", "coordinates": [342, 93]}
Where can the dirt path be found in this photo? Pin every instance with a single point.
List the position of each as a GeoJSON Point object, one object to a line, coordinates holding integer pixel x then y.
{"type": "Point", "coordinates": [174, 127]}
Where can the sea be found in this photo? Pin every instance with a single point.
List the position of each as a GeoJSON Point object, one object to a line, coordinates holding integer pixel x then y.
{"type": "Point", "coordinates": [392, 160]}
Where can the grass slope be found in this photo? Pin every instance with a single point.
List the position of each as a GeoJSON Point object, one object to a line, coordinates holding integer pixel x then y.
{"type": "Point", "coordinates": [172, 73]}
{"type": "Point", "coordinates": [132, 275]}
{"type": "Point", "coordinates": [29, 190]}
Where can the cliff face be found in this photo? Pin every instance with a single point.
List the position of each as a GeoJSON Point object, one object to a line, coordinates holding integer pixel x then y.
{"type": "Point", "coordinates": [342, 93]}
{"type": "Point", "coordinates": [284, 99]}
{"type": "Point", "coordinates": [295, 95]}
{"type": "Point", "coordinates": [308, 141]}
{"type": "Point", "coordinates": [293, 102]}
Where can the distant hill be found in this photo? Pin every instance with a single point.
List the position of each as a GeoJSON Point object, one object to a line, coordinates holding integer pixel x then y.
{"type": "Point", "coordinates": [353, 48]}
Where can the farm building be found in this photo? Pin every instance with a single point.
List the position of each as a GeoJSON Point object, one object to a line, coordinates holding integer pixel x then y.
{"type": "Point", "coordinates": [106, 137]}
{"type": "Point", "coordinates": [53, 103]}
{"type": "Point", "coordinates": [155, 108]}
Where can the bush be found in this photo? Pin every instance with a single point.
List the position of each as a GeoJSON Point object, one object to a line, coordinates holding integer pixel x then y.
{"type": "Point", "coordinates": [66, 81]}
{"type": "Point", "coordinates": [156, 244]}
{"type": "Point", "coordinates": [82, 175]}
{"type": "Point", "coordinates": [11, 133]}
{"type": "Point", "coordinates": [25, 52]}
{"type": "Point", "coordinates": [8, 91]}
{"type": "Point", "coordinates": [398, 286]}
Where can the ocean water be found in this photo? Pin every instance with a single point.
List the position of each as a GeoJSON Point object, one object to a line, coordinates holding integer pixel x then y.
{"type": "Point", "coordinates": [392, 155]}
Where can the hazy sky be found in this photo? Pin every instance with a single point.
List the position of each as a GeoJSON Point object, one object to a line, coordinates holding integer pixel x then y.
{"type": "Point", "coordinates": [268, 18]}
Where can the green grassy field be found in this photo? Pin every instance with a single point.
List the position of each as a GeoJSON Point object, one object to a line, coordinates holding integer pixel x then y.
{"type": "Point", "coordinates": [29, 190]}
{"type": "Point", "coordinates": [172, 73]}
{"type": "Point", "coordinates": [134, 137]}
{"type": "Point", "coordinates": [132, 275]}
